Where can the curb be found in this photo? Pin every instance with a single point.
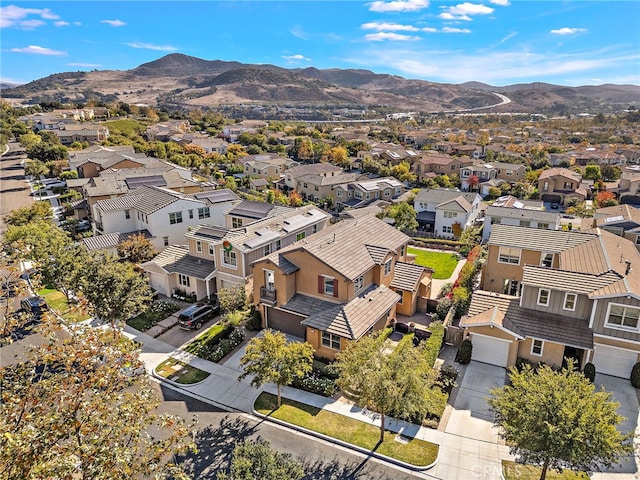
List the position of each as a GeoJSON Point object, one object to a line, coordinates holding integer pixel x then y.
{"type": "Point", "coordinates": [176, 384]}
{"type": "Point", "coordinates": [362, 450]}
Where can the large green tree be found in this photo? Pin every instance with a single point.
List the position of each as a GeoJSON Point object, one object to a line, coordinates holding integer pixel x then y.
{"type": "Point", "coordinates": [256, 460]}
{"type": "Point", "coordinates": [559, 420]}
{"type": "Point", "coordinates": [271, 359]}
{"type": "Point", "coordinates": [79, 407]}
{"type": "Point", "coordinates": [404, 216]}
{"type": "Point", "coordinates": [386, 379]}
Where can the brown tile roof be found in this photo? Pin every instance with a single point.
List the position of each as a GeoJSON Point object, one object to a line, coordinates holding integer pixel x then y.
{"type": "Point", "coordinates": [541, 240]}
{"type": "Point", "coordinates": [407, 276]}
{"type": "Point", "coordinates": [608, 215]}
{"type": "Point", "coordinates": [564, 172]}
{"type": "Point", "coordinates": [524, 322]}
{"type": "Point", "coordinates": [354, 319]}
{"type": "Point", "coordinates": [176, 259]}
{"type": "Point", "coordinates": [576, 282]}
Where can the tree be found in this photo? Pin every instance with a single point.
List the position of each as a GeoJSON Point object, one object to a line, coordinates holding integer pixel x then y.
{"type": "Point", "coordinates": [233, 298]}
{"type": "Point", "coordinates": [592, 172]}
{"type": "Point", "coordinates": [605, 199]}
{"type": "Point", "coordinates": [137, 249]}
{"type": "Point", "coordinates": [386, 381]}
{"type": "Point", "coordinates": [473, 182]}
{"type": "Point", "coordinates": [79, 408]}
{"type": "Point", "coordinates": [270, 359]}
{"type": "Point", "coordinates": [559, 420]}
{"type": "Point", "coordinates": [37, 211]}
{"type": "Point", "coordinates": [402, 172]}
{"type": "Point", "coordinates": [256, 460]}
{"type": "Point", "coordinates": [404, 216]}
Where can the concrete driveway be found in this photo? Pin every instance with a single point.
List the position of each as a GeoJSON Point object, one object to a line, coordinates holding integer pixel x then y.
{"type": "Point", "coordinates": [626, 396]}
{"type": "Point", "coordinates": [470, 416]}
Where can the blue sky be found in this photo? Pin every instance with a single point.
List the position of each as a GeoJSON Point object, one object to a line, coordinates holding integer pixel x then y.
{"type": "Point", "coordinates": [499, 42]}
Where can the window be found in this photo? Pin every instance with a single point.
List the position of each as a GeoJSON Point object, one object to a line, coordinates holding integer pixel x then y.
{"type": "Point", "coordinates": [536, 347]}
{"type": "Point", "coordinates": [314, 228]}
{"type": "Point", "coordinates": [509, 255]}
{"type": "Point", "coordinates": [211, 249]}
{"type": "Point", "coordinates": [204, 212]}
{"type": "Point", "coordinates": [525, 223]}
{"type": "Point", "coordinates": [495, 220]}
{"type": "Point", "coordinates": [305, 184]}
{"type": "Point", "coordinates": [338, 193]}
{"type": "Point", "coordinates": [387, 267]}
{"type": "Point", "coordinates": [543, 225]}
{"type": "Point", "coordinates": [190, 213]}
{"type": "Point", "coordinates": [622, 316]}
{"type": "Point", "coordinates": [328, 285]}
{"type": "Point", "coordinates": [449, 214]}
{"type": "Point", "coordinates": [447, 229]}
{"type": "Point", "coordinates": [464, 174]}
{"type": "Point", "coordinates": [127, 214]}
{"type": "Point", "coordinates": [236, 222]}
{"type": "Point", "coordinates": [357, 194]}
{"type": "Point", "coordinates": [358, 283]}
{"type": "Point", "coordinates": [278, 244]}
{"type": "Point", "coordinates": [267, 250]}
{"type": "Point", "coordinates": [570, 301]}
{"type": "Point", "coordinates": [175, 217]}
{"type": "Point", "coordinates": [300, 236]}
{"type": "Point", "coordinates": [638, 240]}
{"type": "Point", "coordinates": [543, 296]}
{"type": "Point", "coordinates": [546, 259]}
{"type": "Point", "coordinates": [545, 186]}
{"type": "Point", "coordinates": [183, 280]}
{"type": "Point", "coordinates": [512, 287]}
{"type": "Point", "coordinates": [330, 340]}
{"type": "Point", "coordinates": [316, 188]}
{"type": "Point", "coordinates": [387, 193]}
{"type": "Point", "coordinates": [199, 246]}
{"type": "Point", "coordinates": [229, 258]}
{"type": "Point", "coordinates": [166, 241]}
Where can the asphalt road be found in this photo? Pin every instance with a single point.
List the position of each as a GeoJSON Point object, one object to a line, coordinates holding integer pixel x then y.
{"type": "Point", "coordinates": [14, 189]}
{"type": "Point", "coordinates": [219, 431]}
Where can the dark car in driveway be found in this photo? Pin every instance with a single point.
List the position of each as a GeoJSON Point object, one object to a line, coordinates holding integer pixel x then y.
{"type": "Point", "coordinates": [34, 306]}
{"type": "Point", "coordinates": [195, 315]}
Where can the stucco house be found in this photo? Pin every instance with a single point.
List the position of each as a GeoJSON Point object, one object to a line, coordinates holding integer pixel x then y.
{"type": "Point", "coordinates": [438, 209]}
{"type": "Point", "coordinates": [622, 220]}
{"type": "Point", "coordinates": [557, 185]}
{"type": "Point", "coordinates": [337, 285]}
{"type": "Point", "coordinates": [509, 210]}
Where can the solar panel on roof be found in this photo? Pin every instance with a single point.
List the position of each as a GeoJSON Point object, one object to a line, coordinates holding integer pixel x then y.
{"type": "Point", "coordinates": [216, 195]}
{"type": "Point", "coordinates": [211, 232]}
{"type": "Point", "coordinates": [151, 181]}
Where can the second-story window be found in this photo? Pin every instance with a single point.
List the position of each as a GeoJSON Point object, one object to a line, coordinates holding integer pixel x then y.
{"type": "Point", "coordinates": [300, 236]}
{"type": "Point", "coordinates": [509, 255]}
{"type": "Point", "coordinates": [212, 249]}
{"type": "Point", "coordinates": [229, 258]}
{"type": "Point", "coordinates": [236, 222]}
{"type": "Point", "coordinates": [450, 214]}
{"type": "Point", "coordinates": [204, 212]}
{"type": "Point", "coordinates": [570, 301]}
{"type": "Point", "coordinates": [387, 267]}
{"type": "Point", "coordinates": [546, 259]}
{"type": "Point", "coordinates": [358, 283]}
{"type": "Point", "coordinates": [543, 297]}
{"type": "Point", "coordinates": [267, 250]}
{"type": "Point", "coordinates": [190, 213]}
{"type": "Point", "coordinates": [127, 214]}
{"type": "Point", "coordinates": [175, 217]}
{"type": "Point", "coordinates": [199, 247]}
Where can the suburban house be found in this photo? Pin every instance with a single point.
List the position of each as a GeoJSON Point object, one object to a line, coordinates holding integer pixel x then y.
{"type": "Point", "coordinates": [509, 172]}
{"type": "Point", "coordinates": [292, 175]}
{"type": "Point", "coordinates": [569, 294]}
{"type": "Point", "coordinates": [316, 186]}
{"type": "Point", "coordinates": [268, 165]}
{"type": "Point", "coordinates": [110, 242]}
{"type": "Point", "coordinates": [362, 192]}
{"type": "Point", "coordinates": [389, 153]}
{"type": "Point", "coordinates": [165, 214]}
{"type": "Point", "coordinates": [440, 209]}
{"type": "Point", "coordinates": [163, 131]}
{"type": "Point", "coordinates": [557, 185]}
{"type": "Point", "coordinates": [439, 164]}
{"type": "Point", "coordinates": [509, 210]}
{"type": "Point", "coordinates": [345, 281]}
{"type": "Point", "coordinates": [628, 190]}
{"type": "Point", "coordinates": [216, 257]}
{"type": "Point", "coordinates": [622, 220]}
{"type": "Point", "coordinates": [82, 133]}
{"type": "Point", "coordinates": [91, 161]}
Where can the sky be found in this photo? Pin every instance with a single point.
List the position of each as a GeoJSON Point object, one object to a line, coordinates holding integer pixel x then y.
{"type": "Point", "coordinates": [499, 42]}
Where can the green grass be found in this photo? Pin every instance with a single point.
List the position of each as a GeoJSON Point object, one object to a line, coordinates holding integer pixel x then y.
{"type": "Point", "coordinates": [156, 312]}
{"type": "Point", "coordinates": [126, 127]}
{"type": "Point", "coordinates": [443, 264]}
{"type": "Point", "coordinates": [207, 336]}
{"type": "Point", "coordinates": [58, 302]}
{"type": "Point", "coordinates": [414, 452]}
{"type": "Point", "coordinates": [180, 372]}
{"type": "Point", "coordinates": [518, 471]}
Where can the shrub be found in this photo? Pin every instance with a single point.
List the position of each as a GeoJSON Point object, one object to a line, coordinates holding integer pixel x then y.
{"type": "Point", "coordinates": [433, 344]}
{"type": "Point", "coordinates": [635, 375]}
{"type": "Point", "coordinates": [225, 345]}
{"type": "Point", "coordinates": [464, 352]}
{"type": "Point", "coordinates": [447, 379]}
{"type": "Point", "coordinates": [314, 383]}
{"type": "Point", "coordinates": [255, 322]}
{"type": "Point", "coordinates": [443, 307]}
{"type": "Point", "coordinates": [590, 372]}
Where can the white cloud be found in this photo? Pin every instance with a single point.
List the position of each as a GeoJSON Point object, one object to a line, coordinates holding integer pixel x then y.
{"type": "Point", "coordinates": [298, 32]}
{"type": "Point", "coordinates": [86, 65]}
{"type": "Point", "coordinates": [394, 37]}
{"type": "Point", "coordinates": [114, 23]}
{"type": "Point", "coordinates": [508, 37]}
{"type": "Point", "coordinates": [295, 58]}
{"type": "Point", "coordinates": [388, 26]}
{"type": "Point", "coordinates": [463, 11]}
{"type": "Point", "coordinates": [568, 31]}
{"type": "Point", "coordinates": [429, 29]}
{"type": "Point", "coordinates": [398, 6]}
{"type": "Point", "coordinates": [13, 15]}
{"type": "Point", "coordinates": [455, 30]}
{"type": "Point", "coordinates": [61, 23]}
{"type": "Point", "coordinates": [38, 50]}
{"type": "Point", "coordinates": [502, 3]}
{"type": "Point", "coordinates": [31, 24]}
{"type": "Point", "coordinates": [150, 46]}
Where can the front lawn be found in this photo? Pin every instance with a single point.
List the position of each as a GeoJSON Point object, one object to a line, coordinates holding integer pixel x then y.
{"type": "Point", "coordinates": [409, 450]}
{"type": "Point", "coordinates": [180, 372]}
{"type": "Point", "coordinates": [443, 264]}
{"type": "Point", "coordinates": [58, 302]}
{"type": "Point", "coordinates": [519, 471]}
{"type": "Point", "coordinates": [159, 310]}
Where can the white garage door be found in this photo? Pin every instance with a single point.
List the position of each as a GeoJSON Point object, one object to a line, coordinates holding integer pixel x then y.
{"type": "Point", "coordinates": [157, 282]}
{"type": "Point", "coordinates": [490, 350]}
{"type": "Point", "coordinates": [614, 361]}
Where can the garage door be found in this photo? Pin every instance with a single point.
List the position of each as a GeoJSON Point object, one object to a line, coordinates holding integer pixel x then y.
{"type": "Point", "coordinates": [286, 322]}
{"type": "Point", "coordinates": [157, 282]}
{"type": "Point", "coordinates": [490, 350]}
{"type": "Point", "coordinates": [614, 361]}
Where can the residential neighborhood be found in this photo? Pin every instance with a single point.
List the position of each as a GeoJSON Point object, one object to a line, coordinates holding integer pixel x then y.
{"type": "Point", "coordinates": [517, 256]}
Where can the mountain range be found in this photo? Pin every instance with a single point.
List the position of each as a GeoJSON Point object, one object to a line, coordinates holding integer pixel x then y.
{"type": "Point", "coordinates": [178, 81]}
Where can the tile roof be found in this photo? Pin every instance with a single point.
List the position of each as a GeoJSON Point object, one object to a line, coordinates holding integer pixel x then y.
{"type": "Point", "coordinates": [354, 319]}
{"type": "Point", "coordinates": [527, 323]}
{"type": "Point", "coordinates": [440, 195]}
{"type": "Point", "coordinates": [552, 241]}
{"type": "Point", "coordinates": [176, 259]}
{"type": "Point", "coordinates": [522, 213]}
{"type": "Point", "coordinates": [111, 240]}
{"type": "Point", "coordinates": [459, 201]}
{"type": "Point", "coordinates": [351, 247]}
{"type": "Point", "coordinates": [566, 281]}
{"type": "Point", "coordinates": [617, 214]}
{"type": "Point", "coordinates": [558, 171]}
{"type": "Point", "coordinates": [407, 276]}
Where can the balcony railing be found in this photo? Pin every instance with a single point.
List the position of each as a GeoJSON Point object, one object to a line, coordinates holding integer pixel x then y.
{"type": "Point", "coordinates": [267, 295]}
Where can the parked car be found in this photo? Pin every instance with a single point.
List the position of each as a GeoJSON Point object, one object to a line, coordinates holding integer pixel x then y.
{"type": "Point", "coordinates": [53, 183]}
{"type": "Point", "coordinates": [34, 306]}
{"type": "Point", "coordinates": [195, 315]}
{"type": "Point", "coordinates": [83, 226]}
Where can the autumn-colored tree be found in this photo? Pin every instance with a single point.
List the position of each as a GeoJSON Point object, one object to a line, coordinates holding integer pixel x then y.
{"type": "Point", "coordinates": [606, 199]}
{"type": "Point", "coordinates": [473, 181]}
{"type": "Point", "coordinates": [137, 249]}
{"type": "Point", "coordinates": [456, 229]}
{"type": "Point", "coordinates": [193, 148]}
{"type": "Point", "coordinates": [295, 199]}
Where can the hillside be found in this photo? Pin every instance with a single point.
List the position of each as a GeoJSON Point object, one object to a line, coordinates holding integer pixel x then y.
{"type": "Point", "coordinates": [180, 81]}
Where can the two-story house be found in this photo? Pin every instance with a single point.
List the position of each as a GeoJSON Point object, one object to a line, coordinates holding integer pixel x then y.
{"type": "Point", "coordinates": [82, 133]}
{"type": "Point", "coordinates": [316, 186]}
{"type": "Point", "coordinates": [578, 297]}
{"type": "Point", "coordinates": [431, 163]}
{"type": "Point", "coordinates": [341, 283]}
{"type": "Point", "coordinates": [217, 256]}
{"type": "Point", "coordinates": [89, 162]}
{"type": "Point", "coordinates": [165, 214]}
{"type": "Point", "coordinates": [622, 220]}
{"type": "Point", "coordinates": [482, 172]}
{"type": "Point", "coordinates": [557, 185]}
{"type": "Point", "coordinates": [362, 192]}
{"type": "Point", "coordinates": [438, 209]}
{"type": "Point", "coordinates": [292, 175]}
{"type": "Point", "coordinates": [268, 165]}
{"type": "Point", "coordinates": [509, 210]}
{"type": "Point", "coordinates": [509, 172]}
